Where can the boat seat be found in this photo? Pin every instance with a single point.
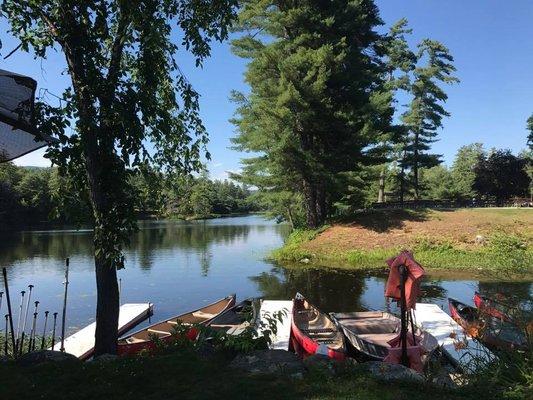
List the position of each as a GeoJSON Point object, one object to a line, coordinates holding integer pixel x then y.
{"type": "Point", "coordinates": [320, 332]}
{"type": "Point", "coordinates": [134, 340]}
{"type": "Point", "coordinates": [158, 332]}
{"type": "Point", "coordinates": [381, 339]}
{"type": "Point", "coordinates": [371, 325]}
{"type": "Point", "coordinates": [201, 314]}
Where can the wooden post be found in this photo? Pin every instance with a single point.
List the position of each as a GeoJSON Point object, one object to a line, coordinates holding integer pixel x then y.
{"type": "Point", "coordinates": [8, 300]}
{"type": "Point", "coordinates": [403, 310]}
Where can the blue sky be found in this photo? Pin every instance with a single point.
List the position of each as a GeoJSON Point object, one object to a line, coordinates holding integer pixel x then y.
{"type": "Point", "coordinates": [491, 40]}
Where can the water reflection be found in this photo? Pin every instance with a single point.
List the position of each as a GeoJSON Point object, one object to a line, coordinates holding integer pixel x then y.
{"type": "Point", "coordinates": [183, 265]}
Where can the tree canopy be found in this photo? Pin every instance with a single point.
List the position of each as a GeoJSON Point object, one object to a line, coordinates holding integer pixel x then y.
{"type": "Point", "coordinates": [126, 92]}
{"type": "Point", "coordinates": [310, 116]}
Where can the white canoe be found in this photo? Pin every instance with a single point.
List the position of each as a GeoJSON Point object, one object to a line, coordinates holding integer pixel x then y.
{"type": "Point", "coordinates": [81, 343]}
{"type": "Point", "coordinates": [465, 351]}
{"type": "Point", "coordinates": [271, 308]}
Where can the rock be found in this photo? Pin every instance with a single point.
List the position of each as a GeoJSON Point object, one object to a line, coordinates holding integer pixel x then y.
{"type": "Point", "coordinates": [480, 239]}
{"type": "Point", "coordinates": [269, 362]}
{"type": "Point", "coordinates": [104, 358]}
{"type": "Point", "coordinates": [444, 380]}
{"type": "Point", "coordinates": [206, 350]}
{"type": "Point", "coordinates": [322, 363]}
{"type": "Point", "coordinates": [392, 372]}
{"type": "Point", "coordinates": [305, 260]}
{"type": "Point", "coordinates": [42, 356]}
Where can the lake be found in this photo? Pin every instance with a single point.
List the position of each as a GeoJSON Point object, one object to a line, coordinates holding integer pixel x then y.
{"type": "Point", "coordinates": [180, 265]}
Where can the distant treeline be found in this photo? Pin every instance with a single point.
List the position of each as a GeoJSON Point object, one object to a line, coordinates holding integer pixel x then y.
{"type": "Point", "coordinates": [190, 196]}
{"type": "Point", "coordinates": [30, 196]}
{"type": "Point", "coordinates": [477, 176]}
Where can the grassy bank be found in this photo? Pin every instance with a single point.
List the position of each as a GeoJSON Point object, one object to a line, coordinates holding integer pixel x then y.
{"type": "Point", "coordinates": [496, 240]}
{"type": "Point", "coordinates": [186, 376]}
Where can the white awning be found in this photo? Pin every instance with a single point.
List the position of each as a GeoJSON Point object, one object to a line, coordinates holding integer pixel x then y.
{"type": "Point", "coordinates": [17, 129]}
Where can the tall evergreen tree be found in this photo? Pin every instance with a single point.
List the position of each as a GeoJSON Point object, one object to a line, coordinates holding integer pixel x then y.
{"type": "Point", "coordinates": [309, 115]}
{"type": "Point", "coordinates": [399, 62]}
{"type": "Point", "coordinates": [425, 113]}
{"type": "Point", "coordinates": [530, 129]}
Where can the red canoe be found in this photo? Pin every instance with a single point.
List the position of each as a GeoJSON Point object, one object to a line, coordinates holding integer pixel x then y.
{"type": "Point", "coordinates": [164, 330]}
{"type": "Point", "coordinates": [313, 332]}
{"type": "Point", "coordinates": [491, 307]}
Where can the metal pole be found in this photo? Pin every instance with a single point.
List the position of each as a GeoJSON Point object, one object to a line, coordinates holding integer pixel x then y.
{"type": "Point", "coordinates": [21, 308]}
{"type": "Point", "coordinates": [54, 331]}
{"type": "Point", "coordinates": [30, 287]}
{"type": "Point", "coordinates": [31, 345]}
{"type": "Point", "coordinates": [44, 329]}
{"type": "Point", "coordinates": [5, 337]}
{"type": "Point", "coordinates": [64, 316]}
{"type": "Point", "coordinates": [403, 310]}
{"type": "Point", "coordinates": [32, 332]}
{"type": "Point", "coordinates": [10, 314]}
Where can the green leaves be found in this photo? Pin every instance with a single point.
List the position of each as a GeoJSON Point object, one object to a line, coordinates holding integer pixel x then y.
{"type": "Point", "coordinates": [312, 72]}
{"type": "Point", "coordinates": [129, 103]}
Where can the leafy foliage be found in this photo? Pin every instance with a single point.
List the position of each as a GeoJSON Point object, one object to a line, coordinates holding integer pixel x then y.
{"type": "Point", "coordinates": [129, 102]}
{"type": "Point", "coordinates": [501, 175]}
{"type": "Point", "coordinates": [311, 114]}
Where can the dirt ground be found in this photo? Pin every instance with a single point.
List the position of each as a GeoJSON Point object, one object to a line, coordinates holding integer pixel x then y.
{"type": "Point", "coordinates": [395, 228]}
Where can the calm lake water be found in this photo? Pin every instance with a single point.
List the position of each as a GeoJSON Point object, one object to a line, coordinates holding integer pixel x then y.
{"type": "Point", "coordinates": [183, 265]}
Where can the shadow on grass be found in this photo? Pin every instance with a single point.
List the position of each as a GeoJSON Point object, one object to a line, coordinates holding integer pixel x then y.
{"type": "Point", "coordinates": [384, 220]}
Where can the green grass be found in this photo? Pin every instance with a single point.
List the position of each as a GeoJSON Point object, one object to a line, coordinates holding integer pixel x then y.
{"type": "Point", "coordinates": [506, 254]}
{"type": "Point", "coordinates": [185, 376]}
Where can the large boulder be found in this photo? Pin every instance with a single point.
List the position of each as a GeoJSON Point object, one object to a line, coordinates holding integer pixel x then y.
{"type": "Point", "coordinates": [392, 372]}
{"type": "Point", "coordinates": [103, 358]}
{"type": "Point", "coordinates": [269, 362]}
{"type": "Point", "coordinates": [43, 356]}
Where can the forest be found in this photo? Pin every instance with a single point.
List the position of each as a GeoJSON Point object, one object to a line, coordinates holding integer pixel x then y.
{"type": "Point", "coordinates": [31, 195]}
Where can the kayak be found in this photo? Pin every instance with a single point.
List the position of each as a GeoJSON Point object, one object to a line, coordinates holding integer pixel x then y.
{"type": "Point", "coordinates": [494, 332]}
{"type": "Point", "coordinates": [314, 332]}
{"type": "Point", "coordinates": [166, 330]}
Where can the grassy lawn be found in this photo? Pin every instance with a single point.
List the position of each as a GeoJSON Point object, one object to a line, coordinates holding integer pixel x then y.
{"type": "Point", "coordinates": [185, 376]}
{"type": "Point", "coordinates": [498, 240]}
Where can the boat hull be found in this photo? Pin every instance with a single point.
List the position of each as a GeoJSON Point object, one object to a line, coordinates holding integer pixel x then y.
{"type": "Point", "coordinates": [143, 341]}
{"type": "Point", "coordinates": [304, 345]}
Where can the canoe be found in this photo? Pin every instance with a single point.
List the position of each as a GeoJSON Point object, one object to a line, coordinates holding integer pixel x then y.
{"type": "Point", "coordinates": [491, 307]}
{"type": "Point", "coordinates": [314, 332]}
{"type": "Point", "coordinates": [236, 319]}
{"type": "Point", "coordinates": [494, 332]}
{"type": "Point", "coordinates": [165, 330]}
{"type": "Point", "coordinates": [369, 332]}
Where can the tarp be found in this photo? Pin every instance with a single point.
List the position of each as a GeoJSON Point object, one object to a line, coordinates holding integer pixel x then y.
{"type": "Point", "coordinates": [17, 130]}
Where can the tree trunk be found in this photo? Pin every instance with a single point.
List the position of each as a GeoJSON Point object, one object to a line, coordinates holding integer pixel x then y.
{"type": "Point", "coordinates": [107, 308]}
{"type": "Point", "coordinates": [309, 192]}
{"type": "Point", "coordinates": [321, 204]}
{"type": "Point", "coordinates": [415, 167]}
{"type": "Point", "coordinates": [381, 191]}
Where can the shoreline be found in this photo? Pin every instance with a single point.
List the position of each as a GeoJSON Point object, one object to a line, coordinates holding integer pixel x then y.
{"type": "Point", "coordinates": [475, 244]}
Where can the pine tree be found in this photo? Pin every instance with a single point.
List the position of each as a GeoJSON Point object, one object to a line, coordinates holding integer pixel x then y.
{"type": "Point", "coordinates": [530, 129]}
{"type": "Point", "coordinates": [425, 113]}
{"type": "Point", "coordinates": [310, 115]}
{"type": "Point", "coordinates": [399, 62]}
